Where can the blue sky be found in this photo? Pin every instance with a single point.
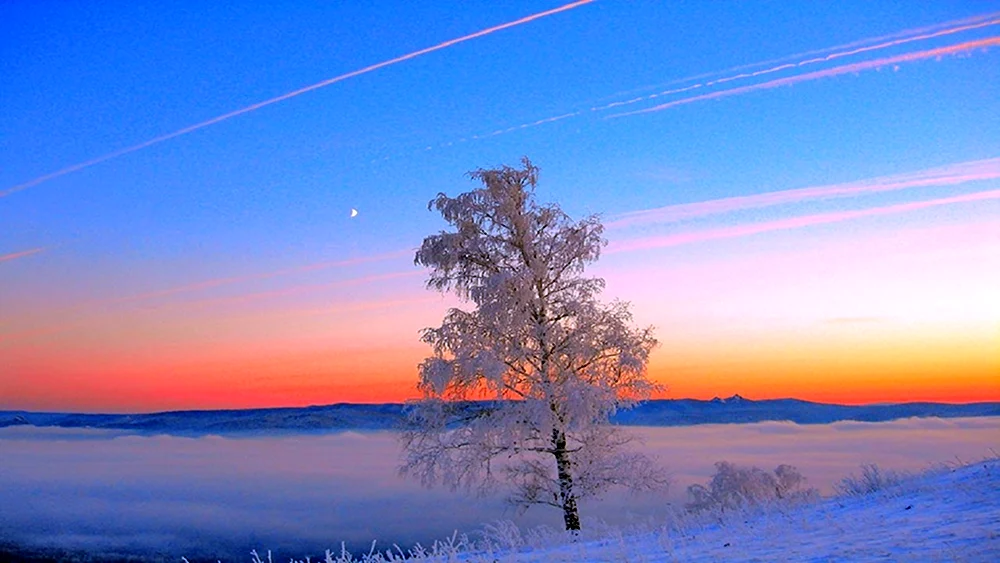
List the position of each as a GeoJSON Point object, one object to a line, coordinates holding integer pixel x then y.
{"type": "Point", "coordinates": [271, 190]}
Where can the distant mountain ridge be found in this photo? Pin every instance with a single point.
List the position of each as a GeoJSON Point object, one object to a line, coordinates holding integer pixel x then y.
{"type": "Point", "coordinates": [367, 417]}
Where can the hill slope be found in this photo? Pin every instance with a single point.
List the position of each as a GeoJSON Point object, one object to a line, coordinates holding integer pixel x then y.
{"type": "Point", "coordinates": [951, 516]}
{"type": "Point", "coordinates": [947, 515]}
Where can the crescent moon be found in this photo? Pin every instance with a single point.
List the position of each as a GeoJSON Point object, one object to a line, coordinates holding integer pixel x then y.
{"type": "Point", "coordinates": [354, 212]}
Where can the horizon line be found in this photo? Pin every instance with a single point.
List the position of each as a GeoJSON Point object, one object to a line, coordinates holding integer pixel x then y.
{"type": "Point", "coordinates": [415, 400]}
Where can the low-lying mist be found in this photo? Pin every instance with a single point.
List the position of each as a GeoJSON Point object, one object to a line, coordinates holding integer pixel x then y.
{"type": "Point", "coordinates": [106, 492]}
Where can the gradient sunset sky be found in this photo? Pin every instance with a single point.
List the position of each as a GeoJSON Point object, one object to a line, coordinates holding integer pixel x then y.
{"type": "Point", "coordinates": [803, 198]}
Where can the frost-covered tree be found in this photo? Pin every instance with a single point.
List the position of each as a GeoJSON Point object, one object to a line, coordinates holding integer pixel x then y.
{"type": "Point", "coordinates": [734, 486]}
{"type": "Point", "coordinates": [520, 388]}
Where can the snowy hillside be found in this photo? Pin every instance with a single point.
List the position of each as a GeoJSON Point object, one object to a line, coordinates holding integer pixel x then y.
{"type": "Point", "coordinates": [943, 515]}
{"type": "Point", "coordinates": [954, 516]}
{"type": "Point", "coordinates": [346, 416]}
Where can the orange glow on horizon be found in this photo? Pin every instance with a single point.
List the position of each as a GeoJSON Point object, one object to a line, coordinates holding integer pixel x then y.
{"type": "Point", "coordinates": [389, 376]}
{"type": "Point", "coordinates": [124, 395]}
{"type": "Point", "coordinates": [886, 314]}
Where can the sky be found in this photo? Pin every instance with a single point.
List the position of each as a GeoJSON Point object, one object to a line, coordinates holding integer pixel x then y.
{"type": "Point", "coordinates": [803, 199]}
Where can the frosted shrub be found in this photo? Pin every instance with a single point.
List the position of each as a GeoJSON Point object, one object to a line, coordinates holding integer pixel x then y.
{"type": "Point", "coordinates": [734, 486]}
{"type": "Point", "coordinates": [503, 534]}
{"type": "Point", "coordinates": [872, 480]}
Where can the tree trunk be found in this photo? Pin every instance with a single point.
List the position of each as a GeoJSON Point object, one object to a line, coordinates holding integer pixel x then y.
{"type": "Point", "coordinates": [571, 515]}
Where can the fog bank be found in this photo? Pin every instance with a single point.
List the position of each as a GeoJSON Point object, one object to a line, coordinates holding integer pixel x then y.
{"type": "Point", "coordinates": [167, 496]}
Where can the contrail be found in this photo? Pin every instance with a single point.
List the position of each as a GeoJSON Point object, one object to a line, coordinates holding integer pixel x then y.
{"type": "Point", "coordinates": [788, 62]}
{"type": "Point", "coordinates": [949, 175]}
{"type": "Point", "coordinates": [852, 49]}
{"type": "Point", "coordinates": [21, 254]}
{"type": "Point", "coordinates": [531, 124]}
{"type": "Point", "coordinates": [835, 71]}
{"type": "Point", "coordinates": [972, 22]}
{"type": "Point", "coordinates": [647, 243]}
{"type": "Point", "coordinates": [907, 35]}
{"type": "Point", "coordinates": [283, 97]}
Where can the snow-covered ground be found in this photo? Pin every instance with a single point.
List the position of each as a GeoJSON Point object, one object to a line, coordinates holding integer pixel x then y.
{"type": "Point", "coordinates": [948, 514]}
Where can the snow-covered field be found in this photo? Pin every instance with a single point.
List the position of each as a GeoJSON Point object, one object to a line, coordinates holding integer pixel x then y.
{"type": "Point", "coordinates": [946, 514]}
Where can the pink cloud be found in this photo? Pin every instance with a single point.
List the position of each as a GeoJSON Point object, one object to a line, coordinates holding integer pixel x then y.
{"type": "Point", "coordinates": [678, 239]}
{"type": "Point", "coordinates": [21, 254]}
{"type": "Point", "coordinates": [202, 303]}
{"type": "Point", "coordinates": [208, 284]}
{"type": "Point", "coordinates": [949, 175]}
{"type": "Point", "coordinates": [308, 288]}
{"type": "Point", "coordinates": [364, 306]}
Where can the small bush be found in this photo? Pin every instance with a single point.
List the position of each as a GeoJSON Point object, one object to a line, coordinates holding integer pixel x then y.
{"type": "Point", "coordinates": [733, 486]}
{"type": "Point", "coordinates": [872, 480]}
